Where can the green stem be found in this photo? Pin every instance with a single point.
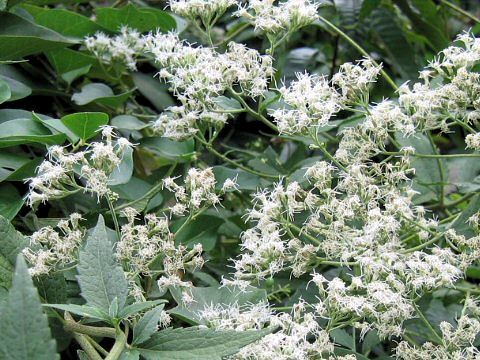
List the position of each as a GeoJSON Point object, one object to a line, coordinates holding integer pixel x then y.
{"type": "Point", "coordinates": [73, 326]}
{"type": "Point", "coordinates": [97, 346]}
{"type": "Point", "coordinates": [460, 10]}
{"type": "Point", "coordinates": [233, 34]}
{"type": "Point", "coordinates": [427, 323]}
{"type": "Point", "coordinates": [422, 246]}
{"type": "Point", "coordinates": [117, 349]}
{"type": "Point", "coordinates": [252, 112]}
{"type": "Point", "coordinates": [433, 156]}
{"type": "Point", "coordinates": [114, 217]}
{"type": "Point", "coordinates": [360, 49]}
{"type": "Point", "coordinates": [232, 162]}
{"type": "Point", "coordinates": [82, 340]}
{"type": "Point", "coordinates": [150, 193]}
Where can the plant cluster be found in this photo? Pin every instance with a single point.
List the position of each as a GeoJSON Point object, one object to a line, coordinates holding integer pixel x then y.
{"type": "Point", "coordinates": [211, 182]}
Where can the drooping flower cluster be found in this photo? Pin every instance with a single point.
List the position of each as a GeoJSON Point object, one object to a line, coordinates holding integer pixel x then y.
{"type": "Point", "coordinates": [51, 249]}
{"type": "Point", "coordinates": [56, 177]}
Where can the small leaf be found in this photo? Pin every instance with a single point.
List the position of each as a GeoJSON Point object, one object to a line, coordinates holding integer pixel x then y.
{"type": "Point", "coordinates": [101, 94]}
{"type": "Point", "coordinates": [100, 277]}
{"type": "Point", "coordinates": [25, 333]}
{"type": "Point", "coordinates": [245, 181]}
{"type": "Point", "coordinates": [123, 173]}
{"type": "Point", "coordinates": [197, 344]}
{"type": "Point", "coordinates": [147, 325]}
{"type": "Point", "coordinates": [138, 307]}
{"type": "Point", "coordinates": [82, 310]}
{"type": "Point", "coordinates": [18, 89]}
{"type": "Point", "coordinates": [177, 151]}
{"type": "Point", "coordinates": [155, 91]}
{"type": "Point", "coordinates": [10, 201]}
{"type": "Point", "coordinates": [86, 124]}
{"type": "Point", "coordinates": [128, 122]}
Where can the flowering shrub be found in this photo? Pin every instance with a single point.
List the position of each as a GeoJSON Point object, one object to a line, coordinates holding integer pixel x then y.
{"type": "Point", "coordinates": [236, 197]}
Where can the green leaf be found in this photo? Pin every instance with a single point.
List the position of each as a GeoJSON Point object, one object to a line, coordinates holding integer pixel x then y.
{"type": "Point", "coordinates": [128, 122]}
{"type": "Point", "coordinates": [70, 64]}
{"type": "Point", "coordinates": [23, 131]}
{"type": "Point", "coordinates": [399, 51]}
{"type": "Point", "coordinates": [20, 37]}
{"type": "Point", "coordinates": [18, 90]}
{"type": "Point", "coordinates": [133, 309]}
{"type": "Point", "coordinates": [427, 173]}
{"type": "Point", "coordinates": [142, 19]}
{"type": "Point", "coordinates": [197, 344]}
{"type": "Point", "coordinates": [178, 151]}
{"type": "Point", "coordinates": [205, 297]}
{"type": "Point", "coordinates": [101, 94]}
{"type": "Point", "coordinates": [147, 325]}
{"type": "Point", "coordinates": [155, 91]}
{"type": "Point", "coordinates": [461, 225]}
{"type": "Point", "coordinates": [245, 181]}
{"type": "Point", "coordinates": [11, 244]}
{"type": "Point", "coordinates": [201, 230]}
{"type": "Point", "coordinates": [85, 124]}
{"type": "Point", "coordinates": [226, 103]}
{"type": "Point", "coordinates": [123, 173]}
{"type": "Point", "coordinates": [67, 23]}
{"type": "Point", "coordinates": [82, 310]}
{"type": "Point", "coordinates": [10, 201]}
{"type": "Point", "coordinates": [25, 333]}
{"type": "Point", "coordinates": [100, 277]}
{"type": "Point", "coordinates": [52, 287]}
{"type": "Point", "coordinates": [5, 93]}
{"type": "Point", "coordinates": [129, 355]}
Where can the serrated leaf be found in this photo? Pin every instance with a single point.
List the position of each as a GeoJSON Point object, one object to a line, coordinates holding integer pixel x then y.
{"type": "Point", "coordinates": [25, 333]}
{"type": "Point", "coordinates": [101, 278]}
{"type": "Point", "coordinates": [205, 297]}
{"type": "Point", "coordinates": [197, 344]}
{"type": "Point", "coordinates": [85, 124]}
{"type": "Point", "coordinates": [11, 244]}
{"type": "Point", "coordinates": [147, 325]}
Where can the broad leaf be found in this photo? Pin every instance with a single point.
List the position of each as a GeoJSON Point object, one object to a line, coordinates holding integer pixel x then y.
{"type": "Point", "coordinates": [197, 344]}
{"type": "Point", "coordinates": [101, 94]}
{"type": "Point", "coordinates": [24, 131]}
{"type": "Point", "coordinates": [82, 310]}
{"type": "Point", "coordinates": [5, 92]}
{"type": "Point", "coordinates": [142, 19]}
{"type": "Point", "coordinates": [86, 124]}
{"type": "Point", "coordinates": [128, 122]}
{"type": "Point", "coordinates": [147, 325]}
{"type": "Point", "coordinates": [18, 90]}
{"type": "Point", "coordinates": [176, 151]}
{"type": "Point", "coordinates": [20, 37]}
{"type": "Point", "coordinates": [245, 181]}
{"type": "Point", "coordinates": [25, 333]}
{"type": "Point", "coordinates": [10, 201]}
{"type": "Point", "coordinates": [101, 278]}
{"type": "Point", "coordinates": [155, 91]}
{"type": "Point", "coordinates": [67, 23]}
{"type": "Point", "coordinates": [70, 64]}
{"type": "Point", "coordinates": [205, 297]}
{"type": "Point", "coordinates": [201, 230]}
{"type": "Point", "coordinates": [123, 173]}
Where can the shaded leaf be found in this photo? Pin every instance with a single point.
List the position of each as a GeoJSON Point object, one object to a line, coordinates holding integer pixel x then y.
{"type": "Point", "coordinates": [100, 278]}
{"type": "Point", "coordinates": [25, 333]}
{"type": "Point", "coordinates": [101, 94]}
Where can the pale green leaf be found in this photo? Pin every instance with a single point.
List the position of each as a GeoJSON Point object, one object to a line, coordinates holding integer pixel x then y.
{"type": "Point", "coordinates": [147, 325]}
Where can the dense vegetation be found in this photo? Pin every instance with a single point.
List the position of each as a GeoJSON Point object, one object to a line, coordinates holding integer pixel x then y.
{"type": "Point", "coordinates": [242, 180]}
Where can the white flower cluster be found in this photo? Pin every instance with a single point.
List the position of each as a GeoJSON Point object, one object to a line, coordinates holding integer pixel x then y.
{"type": "Point", "coordinates": [50, 249]}
{"type": "Point", "coordinates": [198, 191]}
{"type": "Point", "coordinates": [206, 10]}
{"type": "Point", "coordinates": [313, 100]}
{"type": "Point", "coordinates": [124, 48]}
{"type": "Point", "coordinates": [55, 177]}
{"type": "Point", "coordinates": [299, 335]}
{"type": "Point", "coordinates": [457, 343]}
{"type": "Point", "coordinates": [272, 19]}
{"type": "Point", "coordinates": [141, 244]}
{"type": "Point", "coordinates": [198, 75]}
